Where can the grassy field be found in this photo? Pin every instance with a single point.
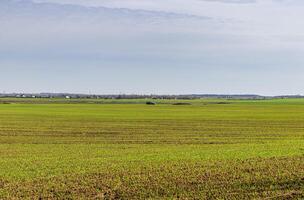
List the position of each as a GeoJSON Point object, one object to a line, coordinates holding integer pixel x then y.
{"type": "Point", "coordinates": [124, 149]}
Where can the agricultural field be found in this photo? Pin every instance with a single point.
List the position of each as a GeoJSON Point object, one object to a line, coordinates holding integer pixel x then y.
{"type": "Point", "coordinates": [124, 149]}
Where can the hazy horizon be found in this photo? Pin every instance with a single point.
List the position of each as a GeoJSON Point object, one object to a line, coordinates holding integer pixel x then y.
{"type": "Point", "coordinates": [152, 46]}
{"type": "Point", "coordinates": [156, 94]}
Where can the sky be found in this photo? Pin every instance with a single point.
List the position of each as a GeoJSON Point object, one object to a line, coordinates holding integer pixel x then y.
{"type": "Point", "coordinates": [152, 46]}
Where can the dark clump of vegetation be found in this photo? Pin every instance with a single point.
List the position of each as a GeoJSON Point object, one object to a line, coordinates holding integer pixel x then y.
{"type": "Point", "coordinates": [150, 103]}
{"type": "Point", "coordinates": [219, 103]}
{"type": "Point", "coordinates": [181, 104]}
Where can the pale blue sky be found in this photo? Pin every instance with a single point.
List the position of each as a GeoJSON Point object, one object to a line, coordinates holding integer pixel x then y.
{"type": "Point", "coordinates": [152, 46]}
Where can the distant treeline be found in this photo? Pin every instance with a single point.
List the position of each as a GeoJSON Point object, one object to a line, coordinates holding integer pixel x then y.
{"type": "Point", "coordinates": [136, 96]}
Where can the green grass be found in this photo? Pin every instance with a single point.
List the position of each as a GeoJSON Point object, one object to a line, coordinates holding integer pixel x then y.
{"type": "Point", "coordinates": [124, 149]}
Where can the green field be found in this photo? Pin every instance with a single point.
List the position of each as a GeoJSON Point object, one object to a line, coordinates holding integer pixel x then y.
{"type": "Point", "coordinates": [124, 149]}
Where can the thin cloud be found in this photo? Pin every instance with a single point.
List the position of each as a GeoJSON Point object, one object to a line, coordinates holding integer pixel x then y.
{"type": "Point", "coordinates": [232, 1]}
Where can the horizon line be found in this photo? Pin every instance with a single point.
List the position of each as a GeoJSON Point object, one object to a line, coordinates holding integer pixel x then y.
{"type": "Point", "coordinates": [151, 94]}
